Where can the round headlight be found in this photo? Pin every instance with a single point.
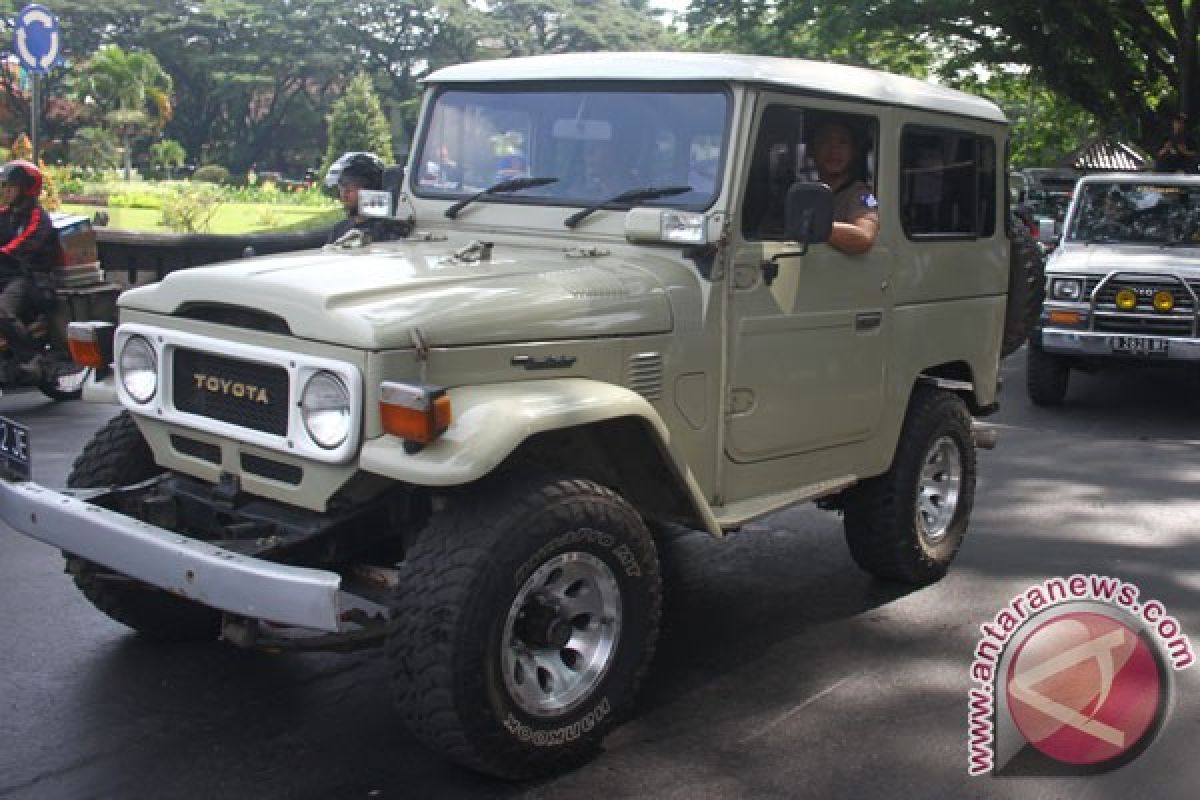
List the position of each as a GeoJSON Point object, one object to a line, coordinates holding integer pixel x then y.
{"type": "Point", "coordinates": [1066, 289]}
{"type": "Point", "coordinates": [1126, 299]}
{"type": "Point", "coordinates": [325, 408]}
{"type": "Point", "coordinates": [138, 367]}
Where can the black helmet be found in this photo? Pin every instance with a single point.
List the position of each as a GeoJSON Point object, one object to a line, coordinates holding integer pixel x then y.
{"type": "Point", "coordinates": [364, 169]}
{"type": "Point", "coordinates": [24, 175]}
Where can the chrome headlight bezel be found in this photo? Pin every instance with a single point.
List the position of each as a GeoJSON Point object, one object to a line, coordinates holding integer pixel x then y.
{"type": "Point", "coordinates": [1069, 290]}
{"type": "Point", "coordinates": [326, 410]}
{"type": "Point", "coordinates": [137, 368]}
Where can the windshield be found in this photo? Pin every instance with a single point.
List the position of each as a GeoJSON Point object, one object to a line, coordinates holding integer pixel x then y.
{"type": "Point", "coordinates": [597, 143]}
{"type": "Point", "coordinates": [1141, 213]}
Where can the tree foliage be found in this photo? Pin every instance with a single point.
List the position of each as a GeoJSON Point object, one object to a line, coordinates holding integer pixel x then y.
{"type": "Point", "coordinates": [254, 80]}
{"type": "Point", "coordinates": [357, 124]}
{"type": "Point", "coordinates": [166, 154]}
{"type": "Point", "coordinates": [130, 91]}
{"type": "Point", "coordinates": [1129, 65]}
{"type": "Point", "coordinates": [94, 148]}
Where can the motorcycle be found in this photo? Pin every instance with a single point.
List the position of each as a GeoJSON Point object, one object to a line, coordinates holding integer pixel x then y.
{"type": "Point", "coordinates": [34, 354]}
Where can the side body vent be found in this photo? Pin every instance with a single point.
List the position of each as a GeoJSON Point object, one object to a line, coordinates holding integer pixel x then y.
{"type": "Point", "coordinates": [644, 375]}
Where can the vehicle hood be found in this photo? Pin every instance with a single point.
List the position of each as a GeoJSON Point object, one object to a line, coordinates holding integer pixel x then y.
{"type": "Point", "coordinates": [373, 297]}
{"type": "Point", "coordinates": [1104, 258]}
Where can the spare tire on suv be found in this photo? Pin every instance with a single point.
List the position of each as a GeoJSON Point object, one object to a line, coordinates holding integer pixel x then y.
{"type": "Point", "coordinates": [1026, 287]}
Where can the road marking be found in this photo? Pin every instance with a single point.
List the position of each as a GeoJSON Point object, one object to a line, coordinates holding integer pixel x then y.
{"type": "Point", "coordinates": [793, 711]}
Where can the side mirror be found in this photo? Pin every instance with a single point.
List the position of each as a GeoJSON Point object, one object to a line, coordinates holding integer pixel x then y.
{"type": "Point", "coordinates": [808, 214]}
{"type": "Point", "coordinates": [807, 219]}
{"type": "Point", "coordinates": [1046, 232]}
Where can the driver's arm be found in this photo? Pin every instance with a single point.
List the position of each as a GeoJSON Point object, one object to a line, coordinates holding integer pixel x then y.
{"type": "Point", "coordinates": [857, 237]}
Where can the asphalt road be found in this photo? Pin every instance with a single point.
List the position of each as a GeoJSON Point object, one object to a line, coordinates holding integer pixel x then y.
{"type": "Point", "coordinates": [783, 671]}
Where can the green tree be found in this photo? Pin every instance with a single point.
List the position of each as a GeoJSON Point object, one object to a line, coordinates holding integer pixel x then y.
{"type": "Point", "coordinates": [130, 89]}
{"type": "Point", "coordinates": [357, 123]}
{"type": "Point", "coordinates": [166, 154]}
{"type": "Point", "coordinates": [1129, 64]}
{"type": "Point", "coordinates": [94, 149]}
{"type": "Point", "coordinates": [531, 27]}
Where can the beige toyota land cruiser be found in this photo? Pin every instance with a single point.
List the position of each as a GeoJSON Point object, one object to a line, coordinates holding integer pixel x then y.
{"type": "Point", "coordinates": [616, 311]}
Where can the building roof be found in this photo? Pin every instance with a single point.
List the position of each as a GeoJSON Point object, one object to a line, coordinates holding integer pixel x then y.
{"type": "Point", "coordinates": [817, 77]}
{"type": "Point", "coordinates": [1108, 155]}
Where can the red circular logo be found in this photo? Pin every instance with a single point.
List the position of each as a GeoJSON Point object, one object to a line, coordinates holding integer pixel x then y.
{"type": "Point", "coordinates": [1084, 688]}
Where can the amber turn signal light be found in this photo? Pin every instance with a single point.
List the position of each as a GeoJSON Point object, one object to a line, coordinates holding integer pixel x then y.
{"type": "Point", "coordinates": [90, 343]}
{"type": "Point", "coordinates": [414, 413]}
{"type": "Point", "coordinates": [1057, 317]}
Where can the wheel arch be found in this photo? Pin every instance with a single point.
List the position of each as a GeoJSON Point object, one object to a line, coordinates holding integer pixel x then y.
{"type": "Point", "coordinates": [591, 429]}
{"type": "Point", "coordinates": [956, 377]}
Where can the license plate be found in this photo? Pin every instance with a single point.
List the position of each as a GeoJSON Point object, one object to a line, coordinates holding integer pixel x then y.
{"type": "Point", "coordinates": [1139, 345]}
{"type": "Point", "coordinates": [14, 450]}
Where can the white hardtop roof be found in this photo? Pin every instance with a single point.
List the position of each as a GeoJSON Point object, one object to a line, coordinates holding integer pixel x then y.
{"type": "Point", "coordinates": [791, 73]}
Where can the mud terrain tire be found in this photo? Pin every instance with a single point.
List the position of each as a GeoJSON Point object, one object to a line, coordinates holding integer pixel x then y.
{"type": "Point", "coordinates": [907, 524]}
{"type": "Point", "coordinates": [1026, 288]}
{"type": "Point", "coordinates": [1047, 377]}
{"type": "Point", "coordinates": [117, 456]}
{"type": "Point", "coordinates": [527, 616]}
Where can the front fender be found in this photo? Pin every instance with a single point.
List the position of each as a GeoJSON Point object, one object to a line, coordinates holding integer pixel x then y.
{"type": "Point", "coordinates": [491, 421]}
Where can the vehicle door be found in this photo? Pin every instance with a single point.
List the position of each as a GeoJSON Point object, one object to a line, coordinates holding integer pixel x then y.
{"type": "Point", "coordinates": [806, 333]}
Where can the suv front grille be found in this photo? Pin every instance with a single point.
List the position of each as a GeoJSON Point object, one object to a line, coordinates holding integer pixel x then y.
{"type": "Point", "coordinates": [1144, 319]}
{"type": "Point", "coordinates": [242, 393]}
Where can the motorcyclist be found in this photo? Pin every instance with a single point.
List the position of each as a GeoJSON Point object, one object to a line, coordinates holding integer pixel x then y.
{"type": "Point", "coordinates": [349, 175]}
{"type": "Point", "coordinates": [29, 251]}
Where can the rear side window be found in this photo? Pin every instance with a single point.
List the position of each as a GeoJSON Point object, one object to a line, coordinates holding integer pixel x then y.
{"type": "Point", "coordinates": [948, 184]}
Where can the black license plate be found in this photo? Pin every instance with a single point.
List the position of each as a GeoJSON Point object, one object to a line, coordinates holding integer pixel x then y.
{"type": "Point", "coordinates": [1139, 345]}
{"type": "Point", "coordinates": [14, 450]}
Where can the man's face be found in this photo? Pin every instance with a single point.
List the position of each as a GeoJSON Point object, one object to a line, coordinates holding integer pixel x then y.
{"type": "Point", "coordinates": [9, 194]}
{"type": "Point", "coordinates": [833, 150]}
{"type": "Point", "coordinates": [348, 194]}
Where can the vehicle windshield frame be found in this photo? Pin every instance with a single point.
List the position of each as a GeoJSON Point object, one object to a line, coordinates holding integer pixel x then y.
{"type": "Point", "coordinates": [1140, 211]}
{"type": "Point", "coordinates": [657, 129]}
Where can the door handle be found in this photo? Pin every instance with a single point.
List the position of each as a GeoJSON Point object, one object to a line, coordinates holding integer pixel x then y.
{"type": "Point", "coordinates": [868, 320]}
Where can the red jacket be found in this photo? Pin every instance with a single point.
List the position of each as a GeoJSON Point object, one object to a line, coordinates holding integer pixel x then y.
{"type": "Point", "coordinates": [28, 241]}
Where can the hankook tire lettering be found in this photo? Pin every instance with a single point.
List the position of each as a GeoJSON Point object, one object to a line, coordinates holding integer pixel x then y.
{"type": "Point", "coordinates": [552, 737]}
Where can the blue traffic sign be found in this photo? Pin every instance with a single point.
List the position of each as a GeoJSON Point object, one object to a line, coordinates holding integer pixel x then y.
{"type": "Point", "coordinates": [36, 38]}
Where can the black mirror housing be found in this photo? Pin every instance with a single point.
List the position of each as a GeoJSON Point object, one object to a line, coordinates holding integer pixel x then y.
{"type": "Point", "coordinates": [808, 213]}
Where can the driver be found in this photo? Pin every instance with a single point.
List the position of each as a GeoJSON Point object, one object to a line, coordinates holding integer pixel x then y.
{"type": "Point", "coordinates": [29, 251]}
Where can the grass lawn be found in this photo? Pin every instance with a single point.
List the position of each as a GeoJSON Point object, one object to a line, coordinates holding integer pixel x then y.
{"type": "Point", "coordinates": [230, 217]}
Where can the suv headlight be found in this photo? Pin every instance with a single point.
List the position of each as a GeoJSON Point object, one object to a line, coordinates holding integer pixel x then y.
{"type": "Point", "coordinates": [138, 367]}
{"type": "Point", "coordinates": [1070, 289]}
{"type": "Point", "coordinates": [325, 409]}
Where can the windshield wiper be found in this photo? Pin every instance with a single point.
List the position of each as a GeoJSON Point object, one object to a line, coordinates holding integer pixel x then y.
{"type": "Point", "coordinates": [503, 187]}
{"type": "Point", "coordinates": [649, 193]}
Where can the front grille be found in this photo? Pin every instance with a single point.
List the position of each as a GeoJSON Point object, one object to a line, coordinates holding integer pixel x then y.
{"type": "Point", "coordinates": [1107, 296]}
{"type": "Point", "coordinates": [1144, 319]}
{"type": "Point", "coordinates": [274, 470]}
{"type": "Point", "coordinates": [1127, 323]}
{"type": "Point", "coordinates": [242, 393]}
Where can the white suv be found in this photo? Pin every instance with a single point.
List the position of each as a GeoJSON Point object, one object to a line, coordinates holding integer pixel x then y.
{"type": "Point", "coordinates": [1123, 284]}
